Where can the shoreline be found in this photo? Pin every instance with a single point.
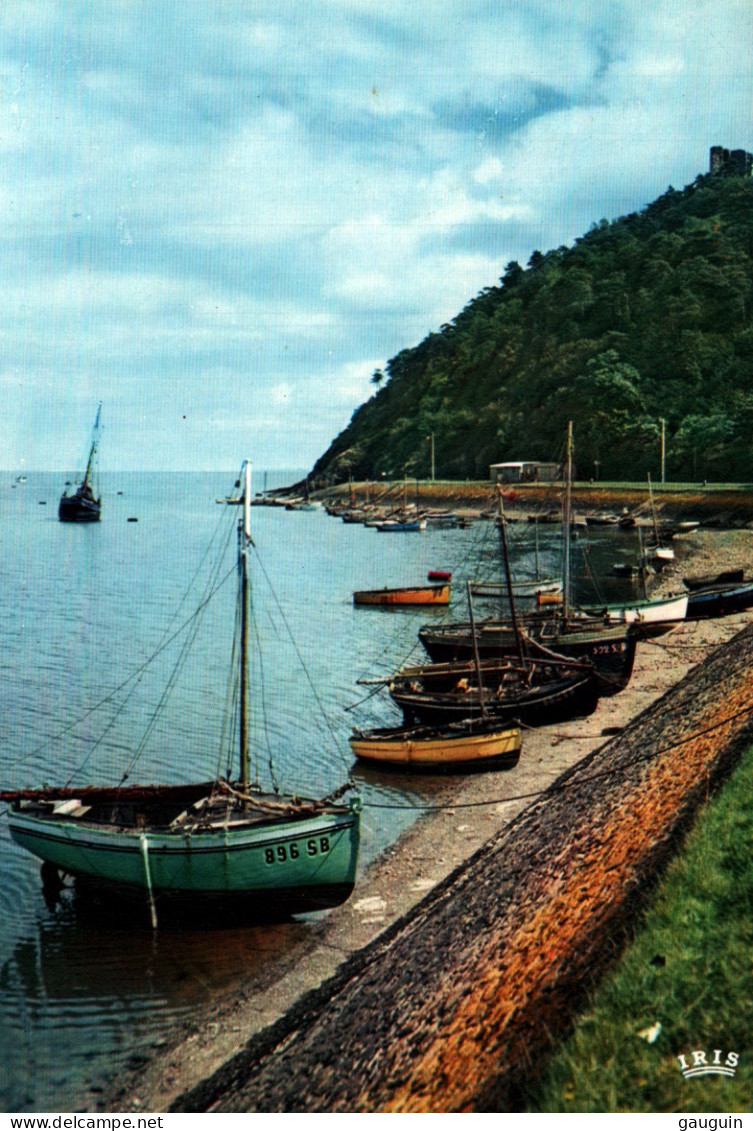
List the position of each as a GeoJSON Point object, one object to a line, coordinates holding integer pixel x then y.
{"type": "Point", "coordinates": [474, 808]}
{"type": "Point", "coordinates": [716, 506]}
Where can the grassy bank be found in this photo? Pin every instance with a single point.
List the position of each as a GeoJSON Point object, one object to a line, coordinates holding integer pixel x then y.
{"type": "Point", "coordinates": [688, 971]}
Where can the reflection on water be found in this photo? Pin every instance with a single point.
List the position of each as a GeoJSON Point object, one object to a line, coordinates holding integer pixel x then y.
{"type": "Point", "coordinates": [83, 993]}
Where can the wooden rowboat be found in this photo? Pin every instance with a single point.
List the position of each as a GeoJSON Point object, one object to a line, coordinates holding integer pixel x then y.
{"type": "Point", "coordinates": [469, 744]}
{"type": "Point", "coordinates": [531, 693]}
{"type": "Point", "coordinates": [651, 610]}
{"type": "Point", "coordinates": [532, 588]}
{"type": "Point", "coordinates": [405, 595]}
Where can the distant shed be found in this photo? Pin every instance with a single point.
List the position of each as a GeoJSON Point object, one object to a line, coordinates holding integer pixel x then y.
{"type": "Point", "coordinates": [524, 471]}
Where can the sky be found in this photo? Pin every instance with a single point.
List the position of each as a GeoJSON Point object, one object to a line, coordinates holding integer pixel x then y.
{"type": "Point", "coordinates": [220, 218]}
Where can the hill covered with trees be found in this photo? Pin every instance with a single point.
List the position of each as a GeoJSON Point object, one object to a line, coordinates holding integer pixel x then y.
{"type": "Point", "coordinates": [645, 318]}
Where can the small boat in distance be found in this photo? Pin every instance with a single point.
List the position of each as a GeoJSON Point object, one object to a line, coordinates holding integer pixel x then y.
{"type": "Point", "coordinates": [82, 505]}
{"type": "Point", "coordinates": [406, 518]}
{"type": "Point", "coordinates": [658, 553]}
{"type": "Point", "coordinates": [471, 744]}
{"type": "Point", "coordinates": [441, 520]}
{"type": "Point", "coordinates": [221, 843]}
{"type": "Point", "coordinates": [405, 595]}
{"type": "Point", "coordinates": [302, 502]}
{"type": "Point", "coordinates": [531, 588]}
{"type": "Point", "coordinates": [671, 529]}
{"type": "Point", "coordinates": [401, 525]}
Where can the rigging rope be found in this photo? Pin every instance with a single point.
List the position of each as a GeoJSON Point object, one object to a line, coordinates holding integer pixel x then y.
{"type": "Point", "coordinates": [210, 589]}
{"type": "Point", "coordinates": [302, 662]}
{"type": "Point", "coordinates": [263, 698]}
{"type": "Point", "coordinates": [120, 687]}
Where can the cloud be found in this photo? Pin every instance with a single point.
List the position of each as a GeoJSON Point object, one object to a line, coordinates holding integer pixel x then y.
{"type": "Point", "coordinates": [284, 196]}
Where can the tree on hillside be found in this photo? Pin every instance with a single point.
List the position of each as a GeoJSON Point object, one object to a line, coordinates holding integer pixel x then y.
{"type": "Point", "coordinates": [700, 445]}
{"type": "Point", "coordinates": [612, 428]}
{"type": "Point", "coordinates": [645, 317]}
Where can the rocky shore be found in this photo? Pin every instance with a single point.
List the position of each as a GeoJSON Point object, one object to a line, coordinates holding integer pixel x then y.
{"type": "Point", "coordinates": [474, 810]}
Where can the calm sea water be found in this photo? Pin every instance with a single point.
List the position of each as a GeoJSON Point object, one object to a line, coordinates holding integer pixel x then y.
{"type": "Point", "coordinates": [82, 609]}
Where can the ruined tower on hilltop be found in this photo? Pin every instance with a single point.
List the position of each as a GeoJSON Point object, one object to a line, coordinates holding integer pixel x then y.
{"type": "Point", "coordinates": [730, 163]}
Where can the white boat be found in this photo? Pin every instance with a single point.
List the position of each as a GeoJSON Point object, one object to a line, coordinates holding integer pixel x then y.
{"type": "Point", "coordinates": [651, 610]}
{"type": "Point", "coordinates": [396, 525]}
{"type": "Point", "coordinates": [532, 588]}
{"type": "Point", "coordinates": [658, 556]}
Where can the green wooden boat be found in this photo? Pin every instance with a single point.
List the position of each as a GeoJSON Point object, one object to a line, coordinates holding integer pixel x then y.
{"type": "Point", "coordinates": [212, 841]}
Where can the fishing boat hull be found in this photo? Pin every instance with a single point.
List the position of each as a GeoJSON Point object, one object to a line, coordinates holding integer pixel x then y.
{"type": "Point", "coordinates": [609, 649]}
{"type": "Point", "coordinates": [300, 864]}
{"type": "Point", "coordinates": [537, 705]}
{"type": "Point", "coordinates": [78, 508]}
{"type": "Point", "coordinates": [407, 595]}
{"type": "Point", "coordinates": [463, 746]}
{"type": "Point", "coordinates": [719, 600]}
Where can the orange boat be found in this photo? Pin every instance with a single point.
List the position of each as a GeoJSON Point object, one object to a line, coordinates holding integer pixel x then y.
{"type": "Point", "coordinates": [405, 595]}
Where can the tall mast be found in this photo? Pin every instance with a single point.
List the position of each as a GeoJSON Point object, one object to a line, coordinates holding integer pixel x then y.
{"type": "Point", "coordinates": [508, 577]}
{"type": "Point", "coordinates": [244, 540]}
{"type": "Point", "coordinates": [653, 510]}
{"type": "Point", "coordinates": [566, 519]}
{"type": "Point", "coordinates": [93, 448]}
{"type": "Point", "coordinates": [476, 660]}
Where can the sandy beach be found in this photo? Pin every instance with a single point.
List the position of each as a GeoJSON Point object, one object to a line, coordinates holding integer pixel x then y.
{"type": "Point", "coordinates": [465, 811]}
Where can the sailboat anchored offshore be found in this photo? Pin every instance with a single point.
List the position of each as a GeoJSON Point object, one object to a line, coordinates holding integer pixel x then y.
{"type": "Point", "coordinates": [82, 505]}
{"type": "Point", "coordinates": [218, 840]}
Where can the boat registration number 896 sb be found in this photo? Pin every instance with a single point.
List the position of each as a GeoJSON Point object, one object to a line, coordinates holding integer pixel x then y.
{"type": "Point", "coordinates": [292, 851]}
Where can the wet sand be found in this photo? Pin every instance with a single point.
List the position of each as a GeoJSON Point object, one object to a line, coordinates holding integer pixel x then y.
{"type": "Point", "coordinates": [474, 808]}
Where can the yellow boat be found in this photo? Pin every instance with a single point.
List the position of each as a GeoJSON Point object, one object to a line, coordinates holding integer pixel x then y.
{"type": "Point", "coordinates": [470, 744]}
{"type": "Point", "coordinates": [405, 595]}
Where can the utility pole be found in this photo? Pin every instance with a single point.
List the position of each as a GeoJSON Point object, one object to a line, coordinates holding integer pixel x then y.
{"type": "Point", "coordinates": [431, 442]}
